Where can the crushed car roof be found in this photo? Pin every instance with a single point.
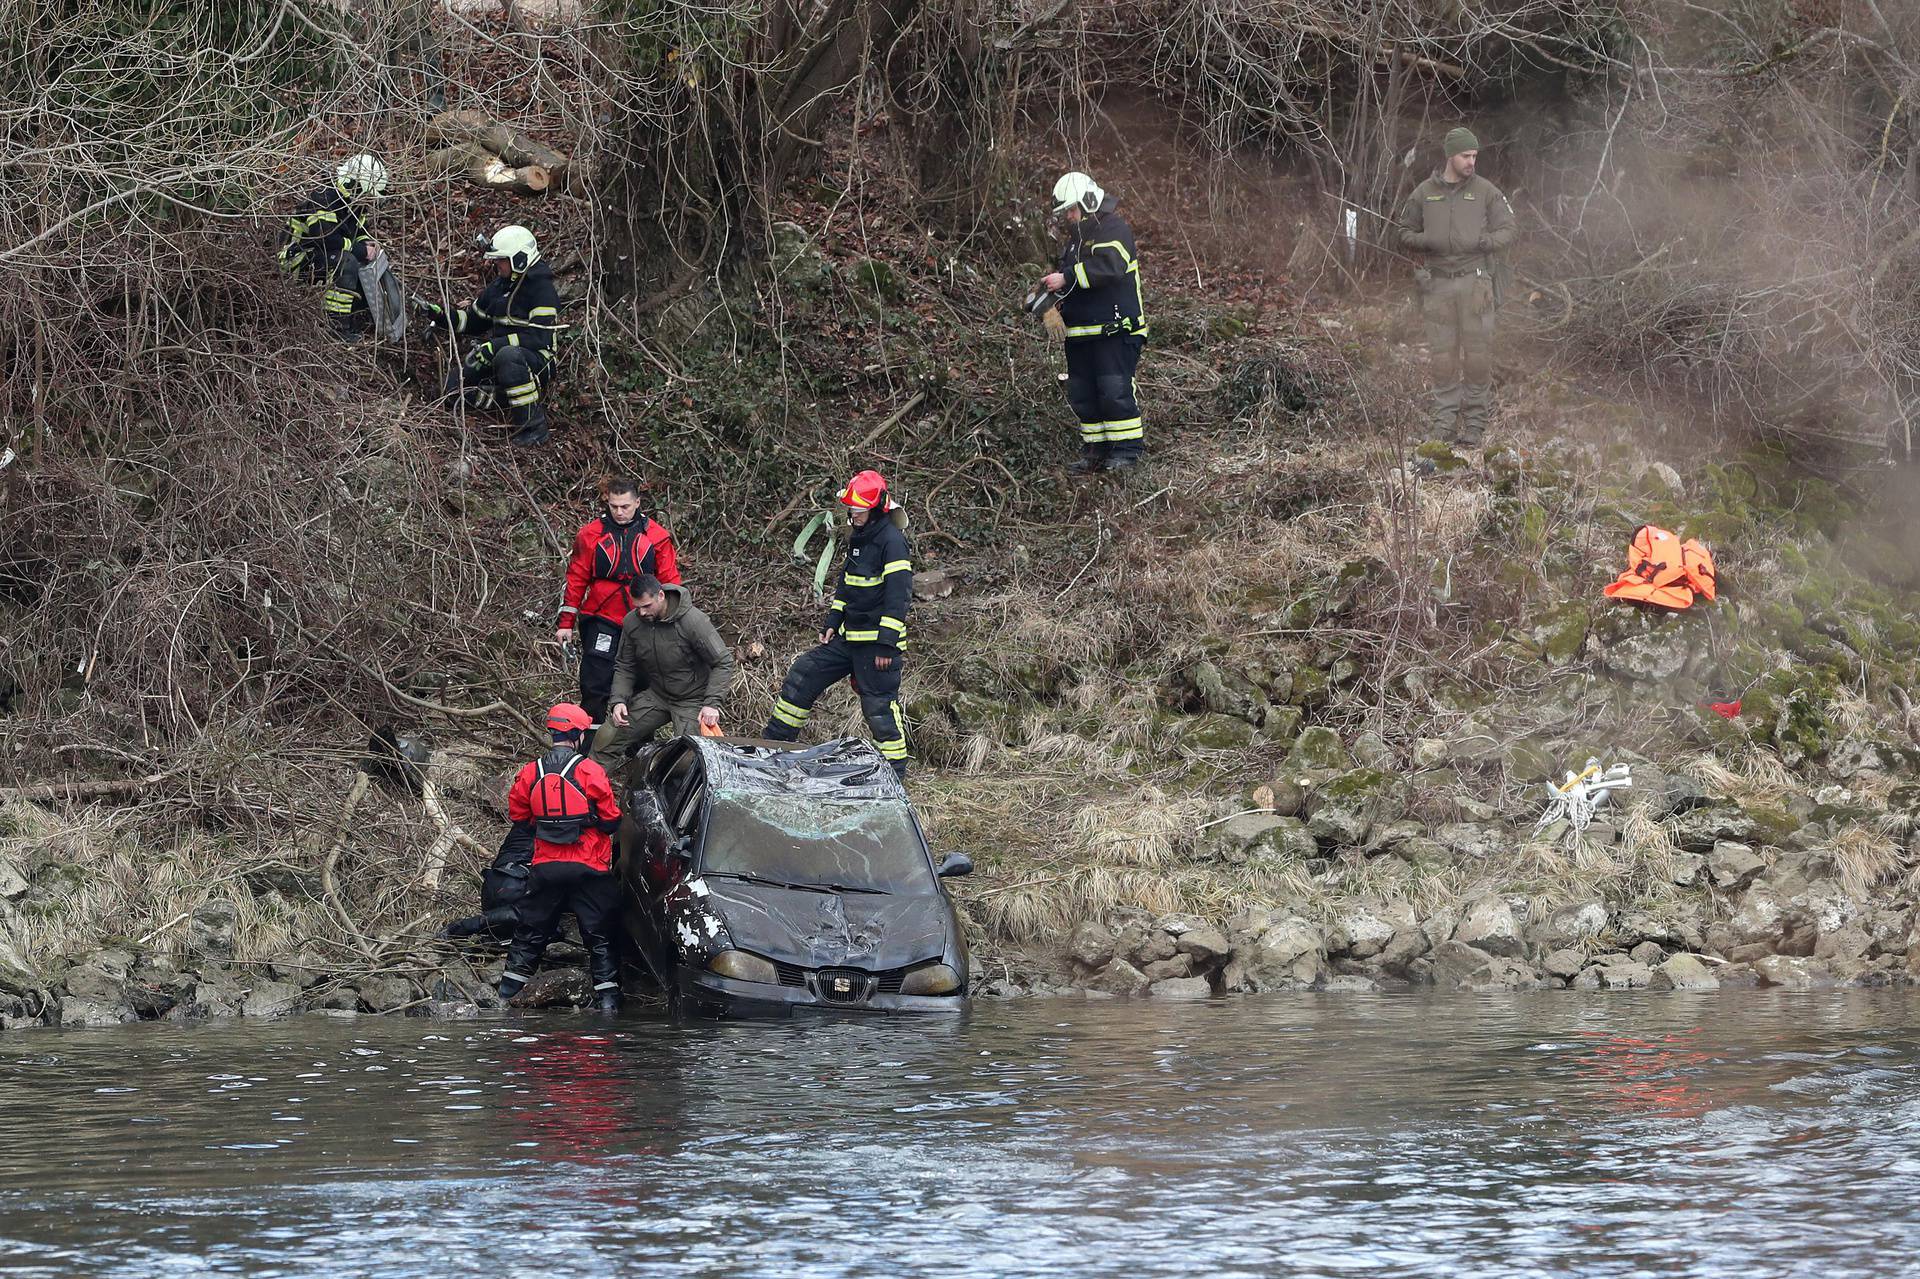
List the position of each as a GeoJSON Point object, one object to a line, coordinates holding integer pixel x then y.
{"type": "Point", "coordinates": [848, 768]}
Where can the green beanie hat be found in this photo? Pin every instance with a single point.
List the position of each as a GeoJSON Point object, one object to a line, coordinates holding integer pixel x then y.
{"type": "Point", "coordinates": [1459, 140]}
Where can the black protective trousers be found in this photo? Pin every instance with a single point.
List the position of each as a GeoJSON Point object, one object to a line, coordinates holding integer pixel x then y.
{"type": "Point", "coordinates": [819, 668]}
{"type": "Point", "coordinates": [599, 643]}
{"type": "Point", "coordinates": [594, 898]}
{"type": "Point", "coordinates": [1100, 389]}
{"type": "Point", "coordinates": [516, 376]}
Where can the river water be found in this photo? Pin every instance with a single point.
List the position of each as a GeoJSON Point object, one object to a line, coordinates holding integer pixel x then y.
{"type": "Point", "coordinates": [1739, 1133]}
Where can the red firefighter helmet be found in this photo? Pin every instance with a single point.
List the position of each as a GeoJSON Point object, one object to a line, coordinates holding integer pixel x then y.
{"type": "Point", "coordinates": [865, 491]}
{"type": "Point", "coordinates": [566, 717]}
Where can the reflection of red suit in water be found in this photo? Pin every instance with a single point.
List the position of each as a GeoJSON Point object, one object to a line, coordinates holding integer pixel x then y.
{"type": "Point", "coordinates": [578, 1099]}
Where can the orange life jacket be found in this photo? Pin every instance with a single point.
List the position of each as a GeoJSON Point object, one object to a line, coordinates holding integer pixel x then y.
{"type": "Point", "coordinates": [1664, 571]}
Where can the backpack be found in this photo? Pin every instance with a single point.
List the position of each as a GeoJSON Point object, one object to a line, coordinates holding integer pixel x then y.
{"type": "Point", "coordinates": [561, 809]}
{"type": "Point", "coordinates": [506, 881]}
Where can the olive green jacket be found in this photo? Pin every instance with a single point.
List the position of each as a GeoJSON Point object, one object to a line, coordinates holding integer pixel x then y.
{"type": "Point", "coordinates": [1456, 226]}
{"type": "Point", "coordinates": [680, 658]}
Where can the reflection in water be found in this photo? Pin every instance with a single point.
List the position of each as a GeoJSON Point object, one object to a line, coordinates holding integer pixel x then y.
{"type": "Point", "coordinates": [1747, 1132]}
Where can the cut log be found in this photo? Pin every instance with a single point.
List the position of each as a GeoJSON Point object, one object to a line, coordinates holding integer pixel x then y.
{"type": "Point", "coordinates": [481, 167]}
{"type": "Point", "coordinates": [531, 179]}
{"type": "Point", "coordinates": [462, 128]}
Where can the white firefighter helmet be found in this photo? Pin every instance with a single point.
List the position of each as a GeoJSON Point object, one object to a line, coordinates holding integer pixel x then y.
{"type": "Point", "coordinates": [517, 245]}
{"type": "Point", "coordinates": [1077, 189]}
{"type": "Point", "coordinates": [361, 174]}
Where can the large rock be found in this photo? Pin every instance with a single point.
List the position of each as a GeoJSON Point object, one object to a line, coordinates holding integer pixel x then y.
{"type": "Point", "coordinates": [1091, 945]}
{"type": "Point", "coordinates": [1264, 837]}
{"type": "Point", "coordinates": [1652, 657]}
{"type": "Point", "coordinates": [385, 994]}
{"type": "Point", "coordinates": [1570, 926]}
{"type": "Point", "coordinates": [270, 999]}
{"type": "Point", "coordinates": [101, 978]}
{"type": "Point", "coordinates": [1226, 693]}
{"type": "Point", "coordinates": [1408, 944]}
{"type": "Point", "coordinates": [1289, 955]}
{"type": "Point", "coordinates": [1119, 978]}
{"type": "Point", "coordinates": [1319, 749]}
{"type": "Point", "coordinates": [1457, 966]}
{"type": "Point", "coordinates": [1346, 807]}
{"type": "Point", "coordinates": [1698, 830]}
{"type": "Point", "coordinates": [75, 1011]}
{"type": "Point", "coordinates": [1362, 933]}
{"type": "Point", "coordinates": [1564, 964]}
{"type": "Point", "coordinates": [1733, 866]}
{"type": "Point", "coordinates": [1489, 925]}
{"type": "Point", "coordinates": [13, 881]}
{"type": "Point", "coordinates": [1160, 970]}
{"type": "Point", "coordinates": [1683, 972]}
{"type": "Point", "coordinates": [210, 930]}
{"type": "Point", "coordinates": [1181, 988]}
{"type": "Point", "coordinates": [1793, 972]}
{"type": "Point", "coordinates": [1615, 972]}
{"type": "Point", "coordinates": [552, 988]}
{"type": "Point", "coordinates": [1207, 945]}
{"type": "Point", "coordinates": [1474, 840]}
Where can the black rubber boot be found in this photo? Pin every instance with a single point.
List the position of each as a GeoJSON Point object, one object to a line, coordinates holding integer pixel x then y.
{"type": "Point", "coordinates": [533, 429]}
{"type": "Point", "coordinates": [607, 1001]}
{"type": "Point", "coordinates": [1092, 459]}
{"type": "Point", "coordinates": [510, 986]}
{"type": "Point", "coordinates": [1122, 459]}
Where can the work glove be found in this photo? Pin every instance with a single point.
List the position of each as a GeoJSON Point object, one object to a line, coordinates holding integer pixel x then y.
{"type": "Point", "coordinates": [481, 355]}
{"type": "Point", "coordinates": [1484, 245]}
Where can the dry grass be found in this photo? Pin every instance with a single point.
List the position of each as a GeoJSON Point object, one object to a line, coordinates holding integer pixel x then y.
{"type": "Point", "coordinates": [1865, 857]}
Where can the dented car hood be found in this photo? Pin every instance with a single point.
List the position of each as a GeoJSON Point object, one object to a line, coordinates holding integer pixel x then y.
{"type": "Point", "coordinates": [874, 931]}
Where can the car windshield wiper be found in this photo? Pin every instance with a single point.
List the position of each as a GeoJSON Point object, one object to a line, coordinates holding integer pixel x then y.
{"type": "Point", "coordinates": [849, 888]}
{"type": "Point", "coordinates": [771, 883]}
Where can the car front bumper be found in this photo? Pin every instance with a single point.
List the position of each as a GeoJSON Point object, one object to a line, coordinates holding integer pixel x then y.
{"type": "Point", "coordinates": [724, 997]}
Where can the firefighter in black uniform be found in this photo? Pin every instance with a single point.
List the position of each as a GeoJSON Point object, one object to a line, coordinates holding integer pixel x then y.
{"type": "Point", "coordinates": [1098, 282]}
{"type": "Point", "coordinates": [330, 224]}
{"type": "Point", "coordinates": [518, 315]}
{"type": "Point", "coordinates": [865, 631]}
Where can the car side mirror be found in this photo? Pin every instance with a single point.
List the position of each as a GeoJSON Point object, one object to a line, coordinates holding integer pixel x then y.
{"type": "Point", "coordinates": [953, 865]}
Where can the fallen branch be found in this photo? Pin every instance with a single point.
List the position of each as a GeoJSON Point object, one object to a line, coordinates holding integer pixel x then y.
{"type": "Point", "coordinates": [450, 835]}
{"type": "Point", "coordinates": [46, 791]}
{"type": "Point", "coordinates": [328, 884]}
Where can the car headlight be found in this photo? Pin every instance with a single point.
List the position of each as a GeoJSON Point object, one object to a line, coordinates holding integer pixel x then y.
{"type": "Point", "coordinates": [741, 966]}
{"type": "Point", "coordinates": [934, 979]}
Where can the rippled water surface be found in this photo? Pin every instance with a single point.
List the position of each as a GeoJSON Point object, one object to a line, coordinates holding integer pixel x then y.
{"type": "Point", "coordinates": [1745, 1133]}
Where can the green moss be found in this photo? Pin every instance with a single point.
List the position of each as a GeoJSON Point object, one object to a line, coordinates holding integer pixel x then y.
{"type": "Point", "coordinates": [1356, 785]}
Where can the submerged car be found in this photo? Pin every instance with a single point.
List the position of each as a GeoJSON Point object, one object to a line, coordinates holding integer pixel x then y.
{"type": "Point", "coordinates": [763, 878]}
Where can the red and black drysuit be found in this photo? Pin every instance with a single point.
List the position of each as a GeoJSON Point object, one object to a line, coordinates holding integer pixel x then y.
{"type": "Point", "coordinates": [568, 802]}
{"type": "Point", "coordinates": [867, 619]}
{"type": "Point", "coordinates": [519, 318]}
{"type": "Point", "coordinates": [1106, 321]}
{"type": "Point", "coordinates": [320, 230]}
{"type": "Point", "coordinates": [607, 558]}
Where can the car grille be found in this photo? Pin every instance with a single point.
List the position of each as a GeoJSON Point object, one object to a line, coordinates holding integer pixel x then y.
{"type": "Point", "coordinates": [890, 980]}
{"type": "Point", "coordinates": [790, 974]}
{"type": "Point", "coordinates": [829, 984]}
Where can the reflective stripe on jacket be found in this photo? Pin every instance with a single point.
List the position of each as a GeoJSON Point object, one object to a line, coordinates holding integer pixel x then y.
{"type": "Point", "coordinates": [1102, 267]}
{"type": "Point", "coordinates": [876, 585]}
{"type": "Point", "coordinates": [519, 310]}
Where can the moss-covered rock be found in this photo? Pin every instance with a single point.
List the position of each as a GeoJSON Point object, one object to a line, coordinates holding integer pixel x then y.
{"type": "Point", "coordinates": [1311, 689]}
{"type": "Point", "coordinates": [1214, 733]}
{"type": "Point", "coordinates": [1319, 749]}
{"type": "Point", "coordinates": [1226, 692]}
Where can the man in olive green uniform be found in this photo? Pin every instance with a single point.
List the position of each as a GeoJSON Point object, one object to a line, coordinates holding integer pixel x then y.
{"type": "Point", "coordinates": [1455, 222]}
{"type": "Point", "coordinates": [672, 667]}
